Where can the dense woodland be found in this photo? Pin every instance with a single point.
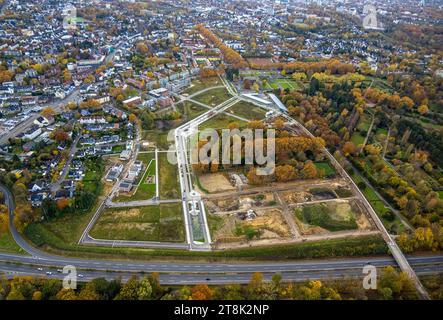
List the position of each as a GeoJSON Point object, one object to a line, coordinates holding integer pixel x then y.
{"type": "Point", "coordinates": [391, 285]}
{"type": "Point", "coordinates": [336, 111]}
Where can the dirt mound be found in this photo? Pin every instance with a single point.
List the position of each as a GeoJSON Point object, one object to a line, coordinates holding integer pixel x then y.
{"type": "Point", "coordinates": [272, 221]}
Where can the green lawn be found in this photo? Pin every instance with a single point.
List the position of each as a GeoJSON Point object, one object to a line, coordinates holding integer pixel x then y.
{"type": "Point", "coordinates": [158, 137]}
{"type": "Point", "coordinates": [94, 171]}
{"type": "Point", "coordinates": [214, 223]}
{"type": "Point", "coordinates": [213, 97]}
{"type": "Point", "coordinates": [357, 139]}
{"type": "Point", "coordinates": [286, 83]}
{"type": "Point", "coordinates": [329, 170]}
{"type": "Point", "coordinates": [220, 121]}
{"type": "Point", "coordinates": [382, 85]}
{"type": "Point", "coordinates": [382, 131]}
{"type": "Point", "coordinates": [247, 110]}
{"type": "Point", "coordinates": [118, 148]}
{"type": "Point", "coordinates": [168, 178]}
{"type": "Point", "coordinates": [329, 216]}
{"type": "Point", "coordinates": [201, 84]}
{"type": "Point", "coordinates": [7, 244]}
{"type": "Point", "coordinates": [191, 110]}
{"type": "Point", "coordinates": [150, 223]}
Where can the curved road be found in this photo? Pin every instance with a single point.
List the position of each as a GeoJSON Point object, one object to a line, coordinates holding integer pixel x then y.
{"type": "Point", "coordinates": [191, 273]}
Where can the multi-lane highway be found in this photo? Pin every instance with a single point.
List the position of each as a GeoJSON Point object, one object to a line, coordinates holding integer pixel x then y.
{"type": "Point", "coordinates": [190, 273]}
{"type": "Point", "coordinates": [180, 272]}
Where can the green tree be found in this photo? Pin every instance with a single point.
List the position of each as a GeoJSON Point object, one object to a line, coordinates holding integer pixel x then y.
{"type": "Point", "coordinates": [144, 289]}
{"type": "Point", "coordinates": [129, 291]}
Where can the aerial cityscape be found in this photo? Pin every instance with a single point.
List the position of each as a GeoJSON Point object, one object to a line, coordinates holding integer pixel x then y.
{"type": "Point", "coordinates": [221, 150]}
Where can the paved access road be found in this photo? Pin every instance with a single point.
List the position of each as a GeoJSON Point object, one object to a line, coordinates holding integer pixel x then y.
{"type": "Point", "coordinates": [189, 273]}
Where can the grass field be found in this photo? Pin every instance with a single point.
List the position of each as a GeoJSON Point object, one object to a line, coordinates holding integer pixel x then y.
{"type": "Point", "coordinates": [286, 83]}
{"type": "Point", "coordinates": [150, 223]}
{"type": "Point", "coordinates": [382, 131]}
{"type": "Point", "coordinates": [220, 121]}
{"type": "Point", "coordinates": [201, 84]}
{"type": "Point", "coordinates": [247, 110]}
{"type": "Point", "coordinates": [93, 175]}
{"type": "Point", "coordinates": [329, 170]}
{"type": "Point", "coordinates": [329, 216]}
{"type": "Point", "coordinates": [7, 244]}
{"type": "Point", "coordinates": [382, 85]}
{"type": "Point", "coordinates": [158, 137]}
{"type": "Point", "coordinates": [118, 148]}
{"type": "Point", "coordinates": [357, 139]}
{"type": "Point", "coordinates": [213, 97]}
{"type": "Point", "coordinates": [168, 178]}
{"type": "Point", "coordinates": [191, 110]}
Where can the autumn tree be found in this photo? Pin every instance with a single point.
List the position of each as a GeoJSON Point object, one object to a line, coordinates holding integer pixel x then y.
{"type": "Point", "coordinates": [256, 124]}
{"type": "Point", "coordinates": [395, 285]}
{"type": "Point", "coordinates": [132, 118]}
{"type": "Point", "coordinates": [62, 203]}
{"type": "Point", "coordinates": [254, 178]}
{"type": "Point", "coordinates": [309, 170]}
{"type": "Point", "coordinates": [88, 292]}
{"type": "Point", "coordinates": [285, 173]}
{"type": "Point", "coordinates": [423, 109]}
{"type": "Point", "coordinates": [349, 148]}
{"type": "Point", "coordinates": [129, 290]}
{"type": "Point", "coordinates": [279, 124]}
{"type": "Point", "coordinates": [202, 292]}
{"type": "Point", "coordinates": [47, 112]}
{"type": "Point", "coordinates": [66, 294]}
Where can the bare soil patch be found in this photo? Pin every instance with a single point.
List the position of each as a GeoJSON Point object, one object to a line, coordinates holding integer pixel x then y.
{"type": "Point", "coordinates": [215, 182]}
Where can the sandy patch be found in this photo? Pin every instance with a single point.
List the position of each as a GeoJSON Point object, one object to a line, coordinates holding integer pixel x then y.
{"type": "Point", "coordinates": [215, 182]}
{"type": "Point", "coordinates": [363, 222]}
{"type": "Point", "coordinates": [271, 220]}
{"type": "Point", "coordinates": [296, 196]}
